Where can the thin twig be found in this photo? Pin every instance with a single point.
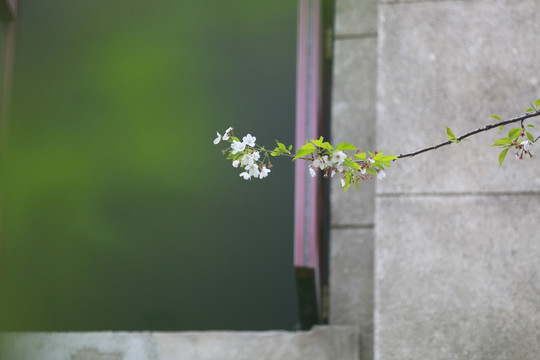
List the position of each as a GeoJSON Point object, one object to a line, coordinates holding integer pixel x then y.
{"type": "Point", "coordinates": [485, 128]}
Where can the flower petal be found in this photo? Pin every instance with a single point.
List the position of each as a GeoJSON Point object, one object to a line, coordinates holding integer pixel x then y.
{"type": "Point", "coordinates": [218, 139]}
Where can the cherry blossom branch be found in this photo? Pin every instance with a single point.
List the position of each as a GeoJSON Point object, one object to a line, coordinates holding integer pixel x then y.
{"type": "Point", "coordinates": [474, 132]}
{"type": "Point", "coordinates": [350, 163]}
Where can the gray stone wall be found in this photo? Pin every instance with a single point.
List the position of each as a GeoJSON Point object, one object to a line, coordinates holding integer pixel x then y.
{"type": "Point", "coordinates": [352, 213]}
{"type": "Point", "coordinates": [455, 241]}
{"type": "Point", "coordinates": [457, 238]}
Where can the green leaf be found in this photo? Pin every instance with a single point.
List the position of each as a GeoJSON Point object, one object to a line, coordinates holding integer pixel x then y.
{"type": "Point", "coordinates": [502, 142]}
{"type": "Point", "coordinates": [530, 137]}
{"type": "Point", "coordinates": [281, 145]}
{"type": "Point", "coordinates": [537, 102]}
{"type": "Point", "coordinates": [238, 155]}
{"type": "Point", "coordinates": [496, 117]}
{"type": "Point", "coordinates": [345, 146]}
{"type": "Point", "coordinates": [501, 128]}
{"type": "Point", "coordinates": [281, 149]}
{"type": "Point", "coordinates": [305, 150]}
{"type": "Point", "coordinates": [530, 125]}
{"type": "Point", "coordinates": [529, 110]}
{"type": "Point", "coordinates": [322, 144]}
{"type": "Point", "coordinates": [514, 133]}
{"type": "Point", "coordinates": [347, 181]}
{"type": "Point", "coordinates": [384, 159]}
{"type": "Point", "coordinates": [449, 133]}
{"type": "Point", "coordinates": [361, 156]}
{"type": "Point", "coordinates": [351, 164]}
{"type": "Point", "coordinates": [502, 155]}
{"type": "Point", "coordinates": [318, 142]}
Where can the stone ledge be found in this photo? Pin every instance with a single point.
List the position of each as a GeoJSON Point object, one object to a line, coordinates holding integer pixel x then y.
{"type": "Point", "coordinates": [321, 342]}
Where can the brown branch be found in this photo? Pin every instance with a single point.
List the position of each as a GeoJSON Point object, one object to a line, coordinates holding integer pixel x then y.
{"type": "Point", "coordinates": [459, 138]}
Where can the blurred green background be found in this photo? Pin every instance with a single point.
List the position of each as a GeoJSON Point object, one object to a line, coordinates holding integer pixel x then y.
{"type": "Point", "coordinates": [119, 212]}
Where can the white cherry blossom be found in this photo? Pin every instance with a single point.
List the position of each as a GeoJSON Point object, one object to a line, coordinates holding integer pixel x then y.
{"type": "Point", "coordinates": [264, 172]}
{"type": "Point", "coordinates": [247, 160]}
{"type": "Point", "coordinates": [218, 139]}
{"type": "Point", "coordinates": [339, 157]}
{"type": "Point", "coordinates": [253, 170]}
{"type": "Point", "coordinates": [527, 146]}
{"type": "Point", "coordinates": [321, 162]}
{"type": "Point", "coordinates": [237, 146]}
{"type": "Point", "coordinates": [249, 140]}
{"type": "Point", "coordinates": [227, 134]}
{"type": "Point", "coordinates": [245, 175]}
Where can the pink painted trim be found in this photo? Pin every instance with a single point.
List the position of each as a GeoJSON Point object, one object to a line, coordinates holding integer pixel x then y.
{"type": "Point", "coordinates": [306, 231]}
{"type": "Point", "coordinates": [314, 235]}
{"type": "Point", "coordinates": [299, 186]}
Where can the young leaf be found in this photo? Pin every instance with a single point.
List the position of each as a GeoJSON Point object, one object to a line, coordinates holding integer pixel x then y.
{"type": "Point", "coordinates": [537, 102]}
{"type": "Point", "coordinates": [361, 156]}
{"type": "Point", "coordinates": [319, 142]}
{"type": "Point", "coordinates": [281, 146]}
{"type": "Point", "coordinates": [345, 146]}
{"type": "Point", "coordinates": [530, 137]}
{"type": "Point", "coordinates": [502, 142]}
{"type": "Point", "coordinates": [305, 150]}
{"type": "Point", "coordinates": [347, 181]}
{"type": "Point", "coordinates": [351, 164]}
{"type": "Point", "coordinates": [281, 149]}
{"type": "Point", "coordinates": [502, 155]}
{"type": "Point", "coordinates": [384, 159]}
{"type": "Point", "coordinates": [514, 133]}
{"type": "Point", "coordinates": [496, 117]}
{"type": "Point", "coordinates": [449, 133]}
{"type": "Point", "coordinates": [501, 128]}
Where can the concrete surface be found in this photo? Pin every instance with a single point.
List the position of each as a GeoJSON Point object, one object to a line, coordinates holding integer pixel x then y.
{"type": "Point", "coordinates": [458, 277]}
{"type": "Point", "coordinates": [321, 343]}
{"type": "Point", "coordinates": [352, 213]}
{"type": "Point", "coordinates": [351, 286]}
{"type": "Point", "coordinates": [455, 63]}
{"type": "Point", "coordinates": [456, 238]}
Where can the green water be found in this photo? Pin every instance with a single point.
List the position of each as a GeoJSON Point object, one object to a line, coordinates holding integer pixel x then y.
{"type": "Point", "coordinates": [119, 212]}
